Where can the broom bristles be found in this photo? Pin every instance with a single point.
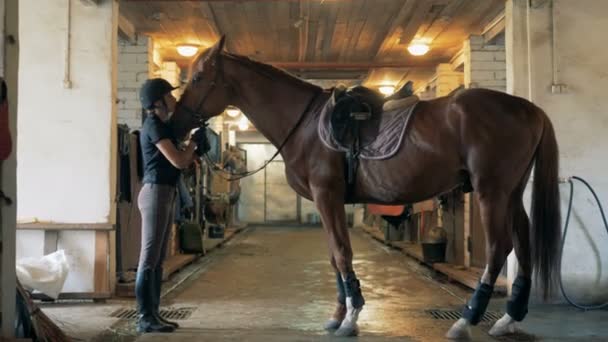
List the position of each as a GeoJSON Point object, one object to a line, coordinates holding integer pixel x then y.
{"type": "Point", "coordinates": [45, 328]}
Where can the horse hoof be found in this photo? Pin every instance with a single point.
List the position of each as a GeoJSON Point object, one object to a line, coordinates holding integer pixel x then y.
{"type": "Point", "coordinates": [504, 326]}
{"type": "Point", "coordinates": [459, 331]}
{"type": "Point", "coordinates": [347, 330]}
{"type": "Point", "coordinates": [332, 324]}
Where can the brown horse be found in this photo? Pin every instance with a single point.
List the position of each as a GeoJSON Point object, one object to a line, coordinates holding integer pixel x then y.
{"type": "Point", "coordinates": [490, 139]}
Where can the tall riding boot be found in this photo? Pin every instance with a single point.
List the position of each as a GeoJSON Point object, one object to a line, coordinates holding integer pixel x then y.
{"type": "Point", "coordinates": [145, 295]}
{"type": "Point", "coordinates": [158, 281]}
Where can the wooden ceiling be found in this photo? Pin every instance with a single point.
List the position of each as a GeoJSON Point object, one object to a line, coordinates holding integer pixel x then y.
{"type": "Point", "coordinates": [319, 39]}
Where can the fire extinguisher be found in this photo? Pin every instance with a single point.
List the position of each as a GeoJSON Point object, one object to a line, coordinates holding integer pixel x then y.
{"type": "Point", "coordinates": [6, 144]}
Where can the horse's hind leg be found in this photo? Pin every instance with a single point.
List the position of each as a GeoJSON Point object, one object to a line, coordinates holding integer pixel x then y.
{"type": "Point", "coordinates": [493, 208]}
{"type": "Point", "coordinates": [517, 306]}
{"type": "Point", "coordinates": [331, 208]}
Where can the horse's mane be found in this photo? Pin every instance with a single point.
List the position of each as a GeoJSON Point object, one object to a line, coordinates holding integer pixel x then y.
{"type": "Point", "coordinates": [265, 70]}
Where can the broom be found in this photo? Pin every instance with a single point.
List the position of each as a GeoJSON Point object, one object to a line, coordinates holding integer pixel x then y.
{"type": "Point", "coordinates": [46, 330]}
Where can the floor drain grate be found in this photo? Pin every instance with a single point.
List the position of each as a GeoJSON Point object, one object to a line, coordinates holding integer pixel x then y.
{"type": "Point", "coordinates": [452, 315]}
{"type": "Point", "coordinates": [169, 314]}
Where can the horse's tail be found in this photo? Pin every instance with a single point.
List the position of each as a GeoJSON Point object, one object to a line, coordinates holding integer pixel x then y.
{"type": "Point", "coordinates": [546, 216]}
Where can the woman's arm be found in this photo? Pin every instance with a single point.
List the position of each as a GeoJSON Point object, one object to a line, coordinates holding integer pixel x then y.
{"type": "Point", "coordinates": [179, 159]}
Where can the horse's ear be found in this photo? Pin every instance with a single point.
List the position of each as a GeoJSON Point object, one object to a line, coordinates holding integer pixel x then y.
{"type": "Point", "coordinates": [217, 49]}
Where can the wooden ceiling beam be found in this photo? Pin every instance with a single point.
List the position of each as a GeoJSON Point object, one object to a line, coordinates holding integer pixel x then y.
{"type": "Point", "coordinates": [496, 27]}
{"type": "Point", "coordinates": [126, 30]}
{"type": "Point", "coordinates": [204, 0]}
{"type": "Point", "coordinates": [349, 66]}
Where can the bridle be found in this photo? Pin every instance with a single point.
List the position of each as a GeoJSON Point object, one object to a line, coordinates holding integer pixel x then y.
{"type": "Point", "coordinates": [198, 113]}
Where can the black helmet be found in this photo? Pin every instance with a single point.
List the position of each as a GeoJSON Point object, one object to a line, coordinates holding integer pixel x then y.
{"type": "Point", "coordinates": [154, 90]}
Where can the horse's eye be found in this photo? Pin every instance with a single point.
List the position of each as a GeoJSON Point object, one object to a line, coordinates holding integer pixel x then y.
{"type": "Point", "coordinates": [197, 77]}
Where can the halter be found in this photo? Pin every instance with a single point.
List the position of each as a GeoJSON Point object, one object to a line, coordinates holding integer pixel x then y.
{"type": "Point", "coordinates": [199, 113]}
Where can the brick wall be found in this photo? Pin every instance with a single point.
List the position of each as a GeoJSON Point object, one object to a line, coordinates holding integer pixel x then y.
{"type": "Point", "coordinates": [133, 70]}
{"type": "Point", "coordinates": [485, 65]}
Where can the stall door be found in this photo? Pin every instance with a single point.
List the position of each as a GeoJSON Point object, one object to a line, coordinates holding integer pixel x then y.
{"type": "Point", "coordinates": [281, 201]}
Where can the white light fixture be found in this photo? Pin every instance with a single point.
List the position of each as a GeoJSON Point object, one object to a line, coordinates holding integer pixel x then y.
{"type": "Point", "coordinates": [187, 50]}
{"type": "Point", "coordinates": [387, 90]}
{"type": "Point", "coordinates": [233, 112]}
{"type": "Point", "coordinates": [243, 124]}
{"type": "Point", "coordinates": [418, 49]}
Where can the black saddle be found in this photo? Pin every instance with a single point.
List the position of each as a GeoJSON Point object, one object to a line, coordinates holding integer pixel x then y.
{"type": "Point", "coordinates": [357, 104]}
{"type": "Point", "coordinates": [355, 119]}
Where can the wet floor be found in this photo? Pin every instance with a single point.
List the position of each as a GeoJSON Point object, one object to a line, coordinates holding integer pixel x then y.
{"type": "Point", "coordinates": [276, 284]}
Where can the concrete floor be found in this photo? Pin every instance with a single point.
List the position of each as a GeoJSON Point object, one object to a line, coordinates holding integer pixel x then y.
{"type": "Point", "coordinates": [276, 284]}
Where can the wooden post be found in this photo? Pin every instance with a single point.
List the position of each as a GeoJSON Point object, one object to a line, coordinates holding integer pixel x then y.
{"type": "Point", "coordinates": [9, 16]}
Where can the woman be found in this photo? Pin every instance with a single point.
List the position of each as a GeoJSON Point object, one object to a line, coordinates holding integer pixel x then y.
{"type": "Point", "coordinates": [162, 164]}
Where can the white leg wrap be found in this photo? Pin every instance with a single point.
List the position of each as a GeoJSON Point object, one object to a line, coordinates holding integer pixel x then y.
{"type": "Point", "coordinates": [349, 324]}
{"type": "Point", "coordinates": [461, 330]}
{"type": "Point", "coordinates": [504, 326]}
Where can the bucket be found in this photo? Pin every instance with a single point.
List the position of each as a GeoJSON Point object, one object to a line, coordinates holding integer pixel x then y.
{"type": "Point", "coordinates": [216, 232]}
{"type": "Point", "coordinates": [433, 252]}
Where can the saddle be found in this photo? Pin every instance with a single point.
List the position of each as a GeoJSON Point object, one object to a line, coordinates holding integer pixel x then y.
{"type": "Point", "coordinates": [356, 104]}
{"type": "Point", "coordinates": [362, 122]}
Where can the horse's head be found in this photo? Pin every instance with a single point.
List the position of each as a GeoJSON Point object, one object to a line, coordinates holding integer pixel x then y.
{"type": "Point", "coordinates": [207, 93]}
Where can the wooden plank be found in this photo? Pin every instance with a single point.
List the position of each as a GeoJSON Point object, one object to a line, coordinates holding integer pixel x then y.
{"type": "Point", "coordinates": [101, 281]}
{"type": "Point", "coordinates": [469, 276]}
{"type": "Point", "coordinates": [414, 250]}
{"type": "Point", "coordinates": [112, 259]}
{"type": "Point", "coordinates": [73, 296]}
{"type": "Point", "coordinates": [65, 226]}
{"type": "Point", "coordinates": [396, 27]}
{"type": "Point", "coordinates": [176, 262]}
{"type": "Point", "coordinates": [126, 30]}
{"type": "Point", "coordinates": [374, 232]}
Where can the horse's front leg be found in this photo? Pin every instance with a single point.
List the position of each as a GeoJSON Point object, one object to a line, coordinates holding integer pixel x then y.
{"type": "Point", "coordinates": [331, 208]}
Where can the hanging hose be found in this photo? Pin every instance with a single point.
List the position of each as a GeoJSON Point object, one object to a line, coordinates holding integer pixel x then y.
{"type": "Point", "coordinates": [599, 204]}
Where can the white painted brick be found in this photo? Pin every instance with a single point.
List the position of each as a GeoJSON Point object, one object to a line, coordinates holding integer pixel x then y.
{"type": "Point", "coordinates": [481, 56]}
{"type": "Point", "coordinates": [127, 76]}
{"type": "Point", "coordinates": [142, 40]}
{"type": "Point", "coordinates": [142, 59]}
{"type": "Point", "coordinates": [134, 67]}
{"type": "Point", "coordinates": [488, 65]}
{"type": "Point", "coordinates": [127, 58]}
{"type": "Point", "coordinates": [500, 56]}
{"type": "Point", "coordinates": [477, 76]}
{"type": "Point", "coordinates": [128, 95]}
{"type": "Point", "coordinates": [494, 48]}
{"type": "Point", "coordinates": [493, 83]}
{"type": "Point", "coordinates": [142, 76]}
{"type": "Point", "coordinates": [500, 75]}
{"type": "Point", "coordinates": [132, 104]}
{"type": "Point", "coordinates": [129, 85]}
{"type": "Point", "coordinates": [125, 113]}
{"type": "Point", "coordinates": [135, 49]}
{"type": "Point", "coordinates": [475, 40]}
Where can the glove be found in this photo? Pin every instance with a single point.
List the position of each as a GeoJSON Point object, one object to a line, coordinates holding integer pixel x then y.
{"type": "Point", "coordinates": [200, 139]}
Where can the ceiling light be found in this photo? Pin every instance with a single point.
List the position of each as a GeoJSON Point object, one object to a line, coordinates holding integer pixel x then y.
{"type": "Point", "coordinates": [233, 112]}
{"type": "Point", "coordinates": [243, 124]}
{"type": "Point", "coordinates": [187, 50]}
{"type": "Point", "coordinates": [418, 49]}
{"type": "Point", "coordinates": [387, 90]}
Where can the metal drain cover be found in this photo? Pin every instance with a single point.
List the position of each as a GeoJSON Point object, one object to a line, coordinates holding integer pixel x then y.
{"type": "Point", "coordinates": [453, 315]}
{"type": "Point", "coordinates": [169, 314]}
